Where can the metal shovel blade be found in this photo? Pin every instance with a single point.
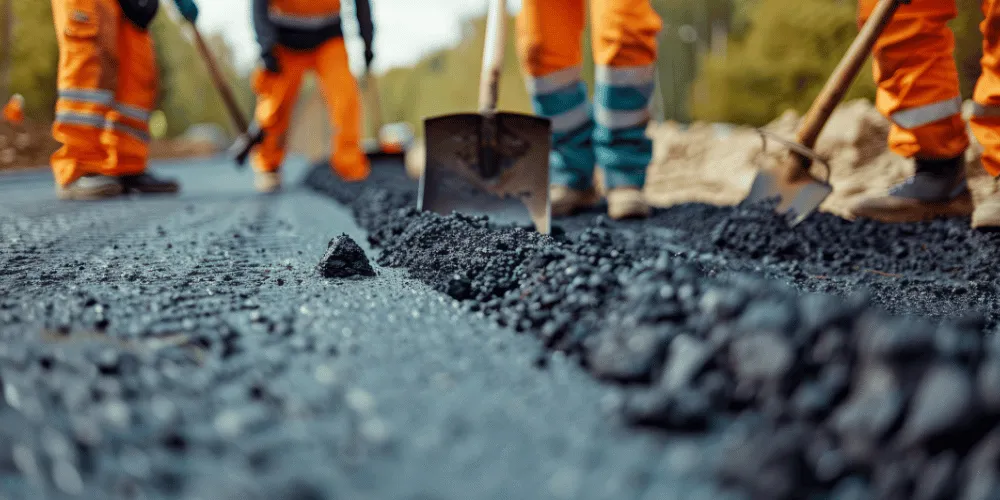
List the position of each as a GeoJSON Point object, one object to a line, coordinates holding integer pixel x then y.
{"type": "Point", "coordinates": [495, 165]}
{"type": "Point", "coordinates": [798, 195]}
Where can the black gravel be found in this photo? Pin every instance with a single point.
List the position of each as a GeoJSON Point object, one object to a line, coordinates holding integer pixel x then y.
{"type": "Point", "coordinates": [344, 259]}
{"type": "Point", "coordinates": [846, 360]}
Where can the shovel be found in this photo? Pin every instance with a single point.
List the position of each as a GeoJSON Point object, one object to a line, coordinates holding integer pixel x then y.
{"type": "Point", "coordinates": [489, 163]}
{"type": "Point", "coordinates": [799, 194]}
{"type": "Point", "coordinates": [249, 137]}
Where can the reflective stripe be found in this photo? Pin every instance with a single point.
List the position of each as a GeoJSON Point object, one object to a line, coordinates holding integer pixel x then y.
{"type": "Point", "coordinates": [633, 76]}
{"type": "Point", "coordinates": [982, 111]}
{"type": "Point", "coordinates": [303, 21]}
{"type": "Point", "coordinates": [570, 120]}
{"type": "Point", "coordinates": [82, 119]}
{"type": "Point", "coordinates": [616, 120]}
{"type": "Point", "coordinates": [105, 97]}
{"type": "Point", "coordinates": [553, 81]}
{"type": "Point", "coordinates": [134, 132]}
{"type": "Point", "coordinates": [927, 114]}
{"type": "Point", "coordinates": [133, 112]}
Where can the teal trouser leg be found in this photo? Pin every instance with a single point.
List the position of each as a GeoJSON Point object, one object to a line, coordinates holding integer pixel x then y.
{"type": "Point", "coordinates": [621, 101]}
{"type": "Point", "coordinates": [572, 158]}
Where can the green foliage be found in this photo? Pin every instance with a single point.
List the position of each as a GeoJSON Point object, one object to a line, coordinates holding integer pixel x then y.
{"type": "Point", "coordinates": [782, 62]}
{"type": "Point", "coordinates": [187, 95]}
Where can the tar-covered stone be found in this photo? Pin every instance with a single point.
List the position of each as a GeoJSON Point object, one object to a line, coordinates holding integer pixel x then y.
{"type": "Point", "coordinates": [344, 259]}
{"type": "Point", "coordinates": [942, 404]}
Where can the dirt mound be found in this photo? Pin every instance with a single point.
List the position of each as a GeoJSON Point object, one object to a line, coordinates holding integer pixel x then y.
{"type": "Point", "coordinates": [716, 163]}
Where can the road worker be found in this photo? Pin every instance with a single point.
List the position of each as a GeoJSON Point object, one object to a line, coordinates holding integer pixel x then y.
{"type": "Point", "coordinates": [612, 132]}
{"type": "Point", "coordinates": [13, 112]}
{"type": "Point", "coordinates": [918, 91]}
{"type": "Point", "coordinates": [107, 89]}
{"type": "Point", "coordinates": [297, 36]}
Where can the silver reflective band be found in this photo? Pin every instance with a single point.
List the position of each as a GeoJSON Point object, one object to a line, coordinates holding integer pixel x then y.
{"type": "Point", "coordinates": [927, 114]}
{"type": "Point", "coordinates": [572, 119]}
{"type": "Point", "coordinates": [553, 81]}
{"type": "Point", "coordinates": [83, 119]}
{"type": "Point", "coordinates": [105, 97]}
{"type": "Point", "coordinates": [134, 132]}
{"type": "Point", "coordinates": [616, 120]}
{"type": "Point", "coordinates": [633, 76]}
{"type": "Point", "coordinates": [303, 22]}
{"type": "Point", "coordinates": [982, 111]}
{"type": "Point", "coordinates": [132, 112]}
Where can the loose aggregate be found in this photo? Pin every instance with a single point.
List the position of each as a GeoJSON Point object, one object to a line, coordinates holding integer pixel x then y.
{"type": "Point", "coordinates": [835, 360]}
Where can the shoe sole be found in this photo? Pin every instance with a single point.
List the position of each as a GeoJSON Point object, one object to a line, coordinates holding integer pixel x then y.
{"type": "Point", "coordinates": [918, 212]}
{"type": "Point", "coordinates": [632, 212]}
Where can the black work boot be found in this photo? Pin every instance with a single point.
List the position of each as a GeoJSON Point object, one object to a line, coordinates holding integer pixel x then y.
{"type": "Point", "coordinates": [936, 189]}
{"type": "Point", "coordinates": [146, 183]}
{"type": "Point", "coordinates": [91, 187]}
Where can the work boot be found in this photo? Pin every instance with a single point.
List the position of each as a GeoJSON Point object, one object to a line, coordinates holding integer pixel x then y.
{"type": "Point", "coordinates": [627, 203]}
{"type": "Point", "coordinates": [91, 187]}
{"type": "Point", "coordinates": [267, 182]}
{"type": "Point", "coordinates": [567, 201]}
{"type": "Point", "coordinates": [145, 183]}
{"type": "Point", "coordinates": [936, 189]}
{"type": "Point", "coordinates": [986, 216]}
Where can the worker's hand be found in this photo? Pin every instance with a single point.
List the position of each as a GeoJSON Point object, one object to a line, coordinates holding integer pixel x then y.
{"type": "Point", "coordinates": [369, 57]}
{"type": "Point", "coordinates": [188, 9]}
{"type": "Point", "coordinates": [270, 62]}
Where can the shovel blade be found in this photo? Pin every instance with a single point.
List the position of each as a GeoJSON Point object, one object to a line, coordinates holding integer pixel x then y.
{"type": "Point", "coordinates": [495, 165]}
{"type": "Point", "coordinates": [797, 196]}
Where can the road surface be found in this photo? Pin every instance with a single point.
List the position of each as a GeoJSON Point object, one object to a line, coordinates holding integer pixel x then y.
{"type": "Point", "coordinates": [185, 347]}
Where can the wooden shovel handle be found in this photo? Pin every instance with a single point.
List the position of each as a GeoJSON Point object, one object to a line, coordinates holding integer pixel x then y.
{"type": "Point", "coordinates": [842, 77]}
{"type": "Point", "coordinates": [493, 55]}
{"type": "Point", "coordinates": [220, 82]}
{"type": "Point", "coordinates": [374, 102]}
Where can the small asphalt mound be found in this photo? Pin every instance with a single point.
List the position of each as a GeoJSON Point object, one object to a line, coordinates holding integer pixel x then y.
{"type": "Point", "coordinates": [344, 259]}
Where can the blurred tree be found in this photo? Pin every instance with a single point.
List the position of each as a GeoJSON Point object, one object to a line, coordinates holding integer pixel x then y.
{"type": "Point", "coordinates": [6, 42]}
{"type": "Point", "coordinates": [780, 63]}
{"type": "Point", "coordinates": [34, 57]}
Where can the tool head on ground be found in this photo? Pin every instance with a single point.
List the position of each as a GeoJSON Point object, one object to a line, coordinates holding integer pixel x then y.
{"type": "Point", "coordinates": [489, 163]}
{"type": "Point", "coordinates": [799, 193]}
{"type": "Point", "coordinates": [244, 144]}
{"type": "Point", "coordinates": [796, 191]}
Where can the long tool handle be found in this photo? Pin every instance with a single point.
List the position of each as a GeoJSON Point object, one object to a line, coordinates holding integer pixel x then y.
{"type": "Point", "coordinates": [842, 77]}
{"type": "Point", "coordinates": [493, 55]}
{"type": "Point", "coordinates": [220, 82]}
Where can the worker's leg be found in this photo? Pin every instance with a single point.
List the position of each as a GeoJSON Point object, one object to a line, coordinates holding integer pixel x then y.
{"type": "Point", "coordinates": [87, 34]}
{"type": "Point", "coordinates": [985, 122]}
{"type": "Point", "coordinates": [918, 81]}
{"type": "Point", "coordinates": [340, 90]}
{"type": "Point", "coordinates": [624, 43]}
{"type": "Point", "coordinates": [549, 37]}
{"type": "Point", "coordinates": [126, 135]}
{"type": "Point", "coordinates": [276, 96]}
{"type": "Point", "coordinates": [918, 91]}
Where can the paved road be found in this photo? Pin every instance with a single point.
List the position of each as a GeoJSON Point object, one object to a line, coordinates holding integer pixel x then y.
{"type": "Point", "coordinates": [185, 347]}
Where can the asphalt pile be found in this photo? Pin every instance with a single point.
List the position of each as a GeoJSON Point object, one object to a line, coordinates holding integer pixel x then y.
{"type": "Point", "coordinates": [710, 319]}
{"type": "Point", "coordinates": [344, 259]}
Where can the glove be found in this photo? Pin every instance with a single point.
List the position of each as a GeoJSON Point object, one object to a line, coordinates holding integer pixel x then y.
{"type": "Point", "coordinates": [188, 9]}
{"type": "Point", "coordinates": [270, 62]}
{"type": "Point", "coordinates": [369, 57]}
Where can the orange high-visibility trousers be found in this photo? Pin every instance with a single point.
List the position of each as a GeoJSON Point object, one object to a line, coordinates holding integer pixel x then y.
{"type": "Point", "coordinates": [277, 94]}
{"type": "Point", "coordinates": [107, 89]}
{"type": "Point", "coordinates": [918, 82]}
